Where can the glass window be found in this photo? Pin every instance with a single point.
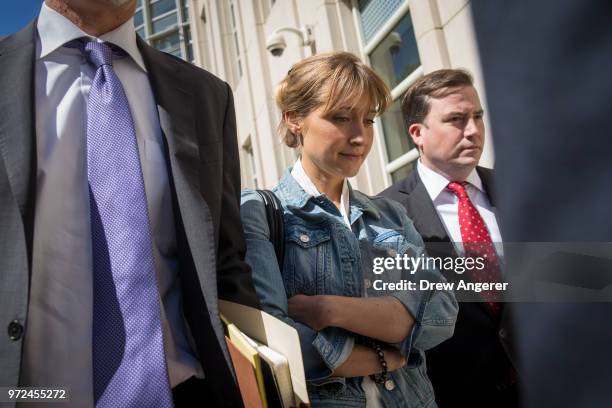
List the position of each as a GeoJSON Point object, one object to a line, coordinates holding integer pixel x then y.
{"type": "Point", "coordinates": [394, 55]}
{"type": "Point", "coordinates": [138, 18]}
{"type": "Point", "coordinates": [397, 55]}
{"type": "Point", "coordinates": [139, 3]}
{"type": "Point", "coordinates": [234, 29]}
{"type": "Point", "coordinates": [168, 18]}
{"type": "Point", "coordinates": [169, 43]}
{"type": "Point", "coordinates": [403, 172]}
{"type": "Point", "coordinates": [397, 139]}
{"type": "Point", "coordinates": [164, 23]}
{"type": "Point", "coordinates": [162, 6]}
{"type": "Point", "coordinates": [185, 7]}
{"type": "Point", "coordinates": [374, 14]}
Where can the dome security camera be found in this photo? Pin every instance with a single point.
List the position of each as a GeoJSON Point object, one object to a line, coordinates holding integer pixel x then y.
{"type": "Point", "coordinates": [276, 44]}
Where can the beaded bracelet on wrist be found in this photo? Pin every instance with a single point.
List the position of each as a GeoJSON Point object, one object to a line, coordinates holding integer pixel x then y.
{"type": "Point", "coordinates": [383, 377]}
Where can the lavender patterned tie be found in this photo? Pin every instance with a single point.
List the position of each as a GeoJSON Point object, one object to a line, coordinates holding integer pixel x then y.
{"type": "Point", "coordinates": [129, 364]}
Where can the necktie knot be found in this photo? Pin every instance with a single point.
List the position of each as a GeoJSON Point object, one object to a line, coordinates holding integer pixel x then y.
{"type": "Point", "coordinates": [458, 189]}
{"type": "Point", "coordinates": [98, 53]}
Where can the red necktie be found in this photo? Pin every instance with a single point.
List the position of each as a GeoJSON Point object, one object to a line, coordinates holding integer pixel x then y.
{"type": "Point", "coordinates": [477, 243]}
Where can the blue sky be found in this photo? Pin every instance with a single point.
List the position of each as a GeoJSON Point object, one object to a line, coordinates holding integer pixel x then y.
{"type": "Point", "coordinates": [15, 14]}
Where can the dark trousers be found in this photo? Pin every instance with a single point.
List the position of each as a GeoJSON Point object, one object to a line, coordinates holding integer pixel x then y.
{"type": "Point", "coordinates": [193, 391]}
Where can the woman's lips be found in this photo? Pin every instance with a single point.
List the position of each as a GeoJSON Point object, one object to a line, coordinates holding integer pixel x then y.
{"type": "Point", "coordinates": [351, 156]}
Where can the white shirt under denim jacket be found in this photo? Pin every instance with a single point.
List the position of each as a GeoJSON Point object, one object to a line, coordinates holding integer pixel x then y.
{"type": "Point", "coordinates": [324, 257]}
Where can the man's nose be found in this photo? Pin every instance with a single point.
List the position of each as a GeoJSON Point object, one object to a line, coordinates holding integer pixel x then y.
{"type": "Point", "coordinates": [471, 128]}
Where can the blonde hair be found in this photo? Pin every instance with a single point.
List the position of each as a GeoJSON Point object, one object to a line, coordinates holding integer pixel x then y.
{"type": "Point", "coordinates": [332, 80]}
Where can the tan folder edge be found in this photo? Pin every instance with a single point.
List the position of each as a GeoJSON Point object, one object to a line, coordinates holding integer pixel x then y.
{"type": "Point", "coordinates": [274, 333]}
{"type": "Point", "coordinates": [245, 375]}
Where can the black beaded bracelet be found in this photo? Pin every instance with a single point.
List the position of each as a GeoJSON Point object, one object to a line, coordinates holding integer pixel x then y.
{"type": "Point", "coordinates": [382, 378]}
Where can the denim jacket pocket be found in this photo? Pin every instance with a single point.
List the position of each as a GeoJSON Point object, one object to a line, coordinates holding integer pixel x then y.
{"type": "Point", "coordinates": [391, 244]}
{"type": "Point", "coordinates": [307, 258]}
{"type": "Point", "coordinates": [394, 243]}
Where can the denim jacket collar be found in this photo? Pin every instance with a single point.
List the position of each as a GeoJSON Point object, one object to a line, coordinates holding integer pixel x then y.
{"type": "Point", "coordinates": [294, 196]}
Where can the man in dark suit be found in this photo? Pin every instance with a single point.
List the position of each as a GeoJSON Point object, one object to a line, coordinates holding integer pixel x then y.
{"type": "Point", "coordinates": [552, 149]}
{"type": "Point", "coordinates": [450, 198]}
{"type": "Point", "coordinates": [119, 214]}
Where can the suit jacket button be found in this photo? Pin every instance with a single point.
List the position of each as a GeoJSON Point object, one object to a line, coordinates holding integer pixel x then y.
{"type": "Point", "coordinates": [15, 330]}
{"type": "Point", "coordinates": [502, 333]}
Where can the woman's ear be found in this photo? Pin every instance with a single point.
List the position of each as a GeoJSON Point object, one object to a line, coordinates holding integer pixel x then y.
{"type": "Point", "coordinates": [293, 122]}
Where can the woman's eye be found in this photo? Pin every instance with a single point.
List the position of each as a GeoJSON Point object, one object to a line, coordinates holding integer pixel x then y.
{"type": "Point", "coordinates": [342, 119]}
{"type": "Point", "coordinates": [369, 121]}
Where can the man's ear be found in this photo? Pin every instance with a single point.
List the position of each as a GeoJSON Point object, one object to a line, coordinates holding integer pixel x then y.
{"type": "Point", "coordinates": [414, 131]}
{"type": "Point", "coordinates": [293, 122]}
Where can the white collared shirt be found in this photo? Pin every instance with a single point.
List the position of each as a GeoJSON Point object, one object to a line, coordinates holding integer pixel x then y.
{"type": "Point", "coordinates": [447, 204]}
{"type": "Point", "coordinates": [308, 186]}
{"type": "Point", "coordinates": [57, 347]}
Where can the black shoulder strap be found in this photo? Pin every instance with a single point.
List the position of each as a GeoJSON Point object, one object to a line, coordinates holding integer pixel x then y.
{"type": "Point", "coordinates": [274, 215]}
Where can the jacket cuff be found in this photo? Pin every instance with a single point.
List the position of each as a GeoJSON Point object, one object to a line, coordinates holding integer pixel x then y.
{"type": "Point", "coordinates": [334, 348]}
{"type": "Point", "coordinates": [416, 307]}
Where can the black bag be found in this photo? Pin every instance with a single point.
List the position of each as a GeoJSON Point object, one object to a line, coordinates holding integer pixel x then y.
{"type": "Point", "coordinates": [274, 215]}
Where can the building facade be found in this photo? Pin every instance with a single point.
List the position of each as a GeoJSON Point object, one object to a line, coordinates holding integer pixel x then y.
{"type": "Point", "coordinates": [165, 25]}
{"type": "Point", "coordinates": [399, 39]}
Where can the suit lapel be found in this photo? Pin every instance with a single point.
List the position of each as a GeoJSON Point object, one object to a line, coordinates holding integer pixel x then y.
{"type": "Point", "coordinates": [175, 105]}
{"type": "Point", "coordinates": [486, 176]}
{"type": "Point", "coordinates": [195, 232]}
{"type": "Point", "coordinates": [422, 211]}
{"type": "Point", "coordinates": [17, 123]}
{"type": "Point", "coordinates": [17, 118]}
{"type": "Point", "coordinates": [176, 116]}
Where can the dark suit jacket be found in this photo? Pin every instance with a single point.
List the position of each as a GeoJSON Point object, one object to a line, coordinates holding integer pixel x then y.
{"type": "Point", "coordinates": [197, 118]}
{"type": "Point", "coordinates": [473, 367]}
{"type": "Point", "coordinates": [552, 150]}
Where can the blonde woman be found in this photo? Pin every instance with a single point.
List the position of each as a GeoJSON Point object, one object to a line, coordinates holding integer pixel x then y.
{"type": "Point", "coordinates": [361, 346]}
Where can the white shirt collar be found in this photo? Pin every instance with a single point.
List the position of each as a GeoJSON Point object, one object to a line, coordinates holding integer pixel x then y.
{"type": "Point", "coordinates": [303, 180]}
{"type": "Point", "coordinates": [55, 30]}
{"type": "Point", "coordinates": [308, 186]}
{"type": "Point", "coordinates": [435, 183]}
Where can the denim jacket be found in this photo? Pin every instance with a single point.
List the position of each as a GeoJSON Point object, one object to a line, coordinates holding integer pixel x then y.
{"type": "Point", "coordinates": [324, 257]}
